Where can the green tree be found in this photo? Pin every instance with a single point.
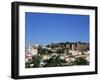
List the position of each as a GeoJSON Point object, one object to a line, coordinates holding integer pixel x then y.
{"type": "Point", "coordinates": [36, 60]}
{"type": "Point", "coordinates": [27, 65]}
{"type": "Point", "coordinates": [42, 51]}
{"type": "Point", "coordinates": [81, 61]}
{"type": "Point", "coordinates": [52, 62]}
{"type": "Point", "coordinates": [50, 52]}
{"type": "Point", "coordinates": [60, 51]}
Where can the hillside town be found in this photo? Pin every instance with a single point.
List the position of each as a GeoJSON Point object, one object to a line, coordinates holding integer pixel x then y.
{"type": "Point", "coordinates": [57, 54]}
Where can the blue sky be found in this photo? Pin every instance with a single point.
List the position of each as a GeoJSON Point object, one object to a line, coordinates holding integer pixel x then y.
{"type": "Point", "coordinates": [46, 28]}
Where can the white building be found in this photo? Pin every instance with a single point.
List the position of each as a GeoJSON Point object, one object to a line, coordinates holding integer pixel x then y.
{"type": "Point", "coordinates": [30, 51]}
{"type": "Point", "coordinates": [75, 52]}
